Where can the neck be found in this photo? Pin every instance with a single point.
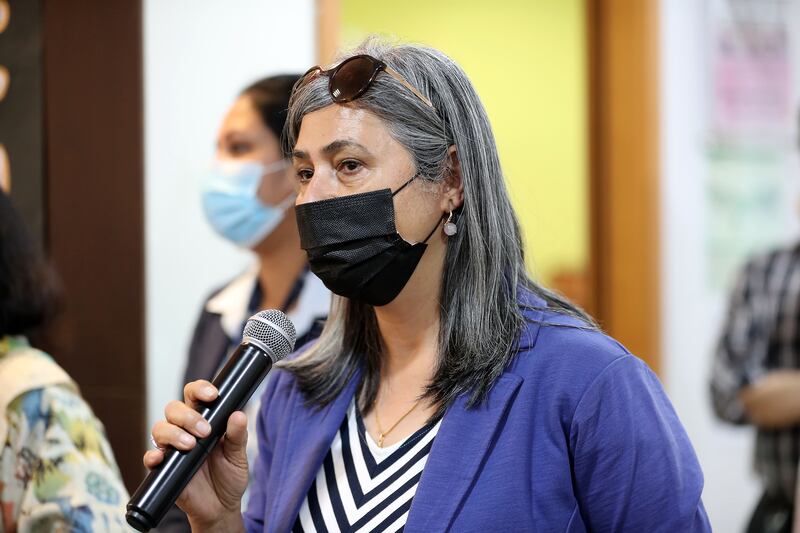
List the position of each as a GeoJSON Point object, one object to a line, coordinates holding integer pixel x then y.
{"type": "Point", "coordinates": [409, 327]}
{"type": "Point", "coordinates": [281, 261]}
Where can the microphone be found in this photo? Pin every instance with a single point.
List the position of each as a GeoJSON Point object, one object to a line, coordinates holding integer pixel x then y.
{"type": "Point", "coordinates": [268, 337]}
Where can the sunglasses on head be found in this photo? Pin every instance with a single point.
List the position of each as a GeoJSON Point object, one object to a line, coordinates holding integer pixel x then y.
{"type": "Point", "coordinates": [352, 77]}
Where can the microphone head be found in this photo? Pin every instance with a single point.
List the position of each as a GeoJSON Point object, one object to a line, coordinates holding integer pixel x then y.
{"type": "Point", "coordinates": [273, 329]}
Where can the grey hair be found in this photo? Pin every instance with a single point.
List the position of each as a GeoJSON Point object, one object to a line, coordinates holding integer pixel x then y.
{"type": "Point", "coordinates": [481, 318]}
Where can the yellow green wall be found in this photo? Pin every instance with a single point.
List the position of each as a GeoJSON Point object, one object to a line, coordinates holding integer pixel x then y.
{"type": "Point", "coordinates": [527, 61]}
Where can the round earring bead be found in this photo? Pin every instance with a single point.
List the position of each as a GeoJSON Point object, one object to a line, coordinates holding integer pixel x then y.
{"type": "Point", "coordinates": [450, 229]}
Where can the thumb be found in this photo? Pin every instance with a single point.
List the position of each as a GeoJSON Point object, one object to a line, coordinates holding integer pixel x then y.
{"type": "Point", "coordinates": [235, 445]}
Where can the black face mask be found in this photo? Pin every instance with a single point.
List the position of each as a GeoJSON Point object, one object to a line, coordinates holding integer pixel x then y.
{"type": "Point", "coordinates": [354, 248]}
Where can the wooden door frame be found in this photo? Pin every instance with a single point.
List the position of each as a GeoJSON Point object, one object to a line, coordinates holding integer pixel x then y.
{"type": "Point", "coordinates": [623, 65]}
{"type": "Point", "coordinates": [328, 24]}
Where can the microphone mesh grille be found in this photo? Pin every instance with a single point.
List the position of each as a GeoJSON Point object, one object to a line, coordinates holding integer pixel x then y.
{"type": "Point", "coordinates": [274, 329]}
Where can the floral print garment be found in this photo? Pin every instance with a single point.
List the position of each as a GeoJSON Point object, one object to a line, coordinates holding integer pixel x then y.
{"type": "Point", "coordinates": [57, 470]}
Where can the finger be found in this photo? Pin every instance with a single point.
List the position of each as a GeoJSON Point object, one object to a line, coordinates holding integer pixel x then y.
{"type": "Point", "coordinates": [166, 434]}
{"type": "Point", "coordinates": [200, 390]}
{"type": "Point", "coordinates": [153, 458]}
{"type": "Point", "coordinates": [181, 415]}
{"type": "Point", "coordinates": [235, 449]}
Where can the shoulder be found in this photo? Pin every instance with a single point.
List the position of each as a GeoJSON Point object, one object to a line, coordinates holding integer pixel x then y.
{"type": "Point", "coordinates": [590, 379]}
{"type": "Point", "coordinates": [236, 288]}
{"type": "Point", "coordinates": [41, 393]}
{"type": "Point", "coordinates": [77, 480]}
{"type": "Point", "coordinates": [575, 368]}
{"type": "Point", "coordinates": [26, 372]}
{"type": "Point", "coordinates": [66, 420]}
{"type": "Point", "coordinates": [763, 266]}
{"type": "Point", "coordinates": [77, 432]}
{"type": "Point", "coordinates": [214, 304]}
{"type": "Point", "coordinates": [286, 376]}
{"type": "Point", "coordinates": [774, 254]}
{"type": "Point", "coordinates": [282, 383]}
{"type": "Point", "coordinates": [555, 347]}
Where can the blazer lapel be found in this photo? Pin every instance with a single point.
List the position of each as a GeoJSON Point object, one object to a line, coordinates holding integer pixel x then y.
{"type": "Point", "coordinates": [464, 438]}
{"type": "Point", "coordinates": [310, 435]}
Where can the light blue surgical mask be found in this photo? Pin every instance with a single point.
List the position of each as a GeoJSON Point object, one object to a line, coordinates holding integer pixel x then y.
{"type": "Point", "coordinates": [231, 203]}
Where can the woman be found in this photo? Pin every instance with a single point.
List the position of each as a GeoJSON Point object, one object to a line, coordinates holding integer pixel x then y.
{"type": "Point", "coordinates": [248, 198]}
{"type": "Point", "coordinates": [447, 391]}
{"type": "Point", "coordinates": [57, 470]}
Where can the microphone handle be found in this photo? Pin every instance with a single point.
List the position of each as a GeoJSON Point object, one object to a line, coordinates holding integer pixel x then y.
{"type": "Point", "coordinates": [236, 383]}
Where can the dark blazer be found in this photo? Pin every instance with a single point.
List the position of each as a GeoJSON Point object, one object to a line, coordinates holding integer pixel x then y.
{"type": "Point", "coordinates": [576, 435]}
{"type": "Point", "coordinates": [210, 344]}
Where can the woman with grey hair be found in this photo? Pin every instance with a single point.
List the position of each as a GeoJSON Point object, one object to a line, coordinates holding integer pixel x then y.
{"type": "Point", "coordinates": [448, 391]}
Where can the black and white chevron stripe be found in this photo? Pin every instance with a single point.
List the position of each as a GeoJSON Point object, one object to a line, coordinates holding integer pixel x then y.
{"type": "Point", "coordinates": [354, 492]}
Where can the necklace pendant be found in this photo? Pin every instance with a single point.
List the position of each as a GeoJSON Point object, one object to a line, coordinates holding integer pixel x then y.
{"type": "Point", "coordinates": [380, 440]}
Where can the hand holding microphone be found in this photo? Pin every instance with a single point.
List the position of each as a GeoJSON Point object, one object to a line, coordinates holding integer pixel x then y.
{"type": "Point", "coordinates": [215, 490]}
{"type": "Point", "coordinates": [205, 471]}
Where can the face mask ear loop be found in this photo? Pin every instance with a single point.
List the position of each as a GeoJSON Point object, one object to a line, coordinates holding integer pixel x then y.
{"type": "Point", "coordinates": [432, 232]}
{"type": "Point", "coordinates": [274, 167]}
{"type": "Point", "coordinates": [403, 186]}
{"type": "Point", "coordinates": [288, 202]}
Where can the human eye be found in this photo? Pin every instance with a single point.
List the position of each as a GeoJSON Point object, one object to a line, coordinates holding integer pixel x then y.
{"type": "Point", "coordinates": [304, 175]}
{"type": "Point", "coordinates": [349, 166]}
{"type": "Point", "coordinates": [238, 148]}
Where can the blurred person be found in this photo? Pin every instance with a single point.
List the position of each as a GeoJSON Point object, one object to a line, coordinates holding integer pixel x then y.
{"type": "Point", "coordinates": [57, 470]}
{"type": "Point", "coordinates": [448, 391]}
{"type": "Point", "coordinates": [756, 377]}
{"type": "Point", "coordinates": [248, 198]}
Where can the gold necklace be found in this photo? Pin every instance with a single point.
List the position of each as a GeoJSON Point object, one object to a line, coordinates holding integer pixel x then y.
{"type": "Point", "coordinates": [381, 433]}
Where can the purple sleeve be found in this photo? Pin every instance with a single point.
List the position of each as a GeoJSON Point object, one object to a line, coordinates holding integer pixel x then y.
{"type": "Point", "coordinates": [635, 469]}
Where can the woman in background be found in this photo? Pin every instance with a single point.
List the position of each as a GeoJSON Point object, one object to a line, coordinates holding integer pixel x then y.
{"type": "Point", "coordinates": [248, 198]}
{"type": "Point", "coordinates": [57, 470]}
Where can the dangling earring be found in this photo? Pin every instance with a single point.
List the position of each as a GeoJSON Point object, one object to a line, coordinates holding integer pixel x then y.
{"type": "Point", "coordinates": [450, 227]}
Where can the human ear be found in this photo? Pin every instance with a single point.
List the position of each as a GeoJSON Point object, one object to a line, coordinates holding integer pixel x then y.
{"type": "Point", "coordinates": [453, 186]}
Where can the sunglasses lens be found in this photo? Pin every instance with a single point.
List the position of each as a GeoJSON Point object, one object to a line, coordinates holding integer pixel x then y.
{"type": "Point", "coordinates": [352, 78]}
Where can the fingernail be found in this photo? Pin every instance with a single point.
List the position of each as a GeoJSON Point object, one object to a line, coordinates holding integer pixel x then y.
{"type": "Point", "coordinates": [208, 391]}
{"type": "Point", "coordinates": [187, 440]}
{"type": "Point", "coordinates": [202, 427]}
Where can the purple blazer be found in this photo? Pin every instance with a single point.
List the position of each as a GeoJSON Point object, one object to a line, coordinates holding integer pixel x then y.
{"type": "Point", "coordinates": [576, 435]}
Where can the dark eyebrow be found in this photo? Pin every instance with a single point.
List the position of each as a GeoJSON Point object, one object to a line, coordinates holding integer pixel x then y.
{"type": "Point", "coordinates": [337, 145]}
{"type": "Point", "coordinates": [332, 148]}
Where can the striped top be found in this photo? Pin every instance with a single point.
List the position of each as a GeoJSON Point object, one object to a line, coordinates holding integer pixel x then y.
{"type": "Point", "coordinates": [762, 334]}
{"type": "Point", "coordinates": [362, 487]}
